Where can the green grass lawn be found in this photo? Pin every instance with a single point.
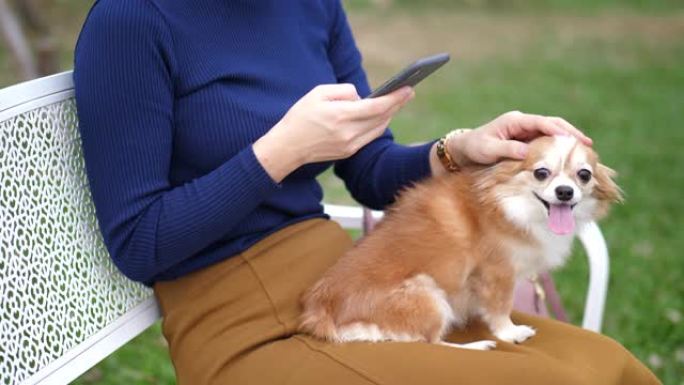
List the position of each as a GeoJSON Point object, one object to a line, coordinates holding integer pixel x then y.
{"type": "Point", "coordinates": [617, 75]}
{"type": "Point", "coordinates": [527, 6]}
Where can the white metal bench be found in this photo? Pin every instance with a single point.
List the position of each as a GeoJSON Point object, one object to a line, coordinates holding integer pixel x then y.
{"type": "Point", "coordinates": [64, 306]}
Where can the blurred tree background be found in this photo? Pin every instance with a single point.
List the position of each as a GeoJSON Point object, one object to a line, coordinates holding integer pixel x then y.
{"type": "Point", "coordinates": [615, 68]}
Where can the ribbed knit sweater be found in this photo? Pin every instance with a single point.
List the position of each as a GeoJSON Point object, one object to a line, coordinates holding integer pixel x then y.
{"type": "Point", "coordinates": [171, 94]}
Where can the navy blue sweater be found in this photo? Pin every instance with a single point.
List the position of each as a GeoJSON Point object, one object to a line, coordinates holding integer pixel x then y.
{"type": "Point", "coordinates": [171, 95]}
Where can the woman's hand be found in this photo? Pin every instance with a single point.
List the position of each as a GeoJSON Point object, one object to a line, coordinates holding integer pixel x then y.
{"type": "Point", "coordinates": [330, 122]}
{"type": "Point", "coordinates": [505, 137]}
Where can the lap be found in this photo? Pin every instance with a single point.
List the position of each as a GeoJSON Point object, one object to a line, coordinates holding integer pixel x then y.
{"type": "Point", "coordinates": [559, 354]}
{"type": "Point", "coordinates": [235, 323]}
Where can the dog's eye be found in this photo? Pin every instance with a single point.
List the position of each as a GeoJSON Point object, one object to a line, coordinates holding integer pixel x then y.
{"type": "Point", "coordinates": [542, 173]}
{"type": "Point", "coordinates": [584, 175]}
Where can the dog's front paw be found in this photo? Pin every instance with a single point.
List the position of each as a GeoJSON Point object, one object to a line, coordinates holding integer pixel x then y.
{"type": "Point", "coordinates": [515, 333]}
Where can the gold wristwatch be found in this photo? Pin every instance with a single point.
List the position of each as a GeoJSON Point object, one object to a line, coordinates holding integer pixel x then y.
{"type": "Point", "coordinates": [443, 154]}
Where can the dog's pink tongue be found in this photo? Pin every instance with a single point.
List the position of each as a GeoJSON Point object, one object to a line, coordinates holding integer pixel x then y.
{"type": "Point", "coordinates": [561, 221]}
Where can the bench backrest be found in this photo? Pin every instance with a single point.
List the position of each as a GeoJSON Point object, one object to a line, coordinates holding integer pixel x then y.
{"type": "Point", "coordinates": [60, 293]}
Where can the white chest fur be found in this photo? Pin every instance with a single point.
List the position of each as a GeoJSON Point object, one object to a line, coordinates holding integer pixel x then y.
{"type": "Point", "coordinates": [550, 252]}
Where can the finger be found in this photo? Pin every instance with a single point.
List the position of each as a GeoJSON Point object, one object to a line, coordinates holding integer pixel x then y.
{"type": "Point", "coordinates": [366, 128]}
{"type": "Point", "coordinates": [343, 91]}
{"type": "Point", "coordinates": [530, 124]}
{"type": "Point", "coordinates": [374, 133]}
{"type": "Point", "coordinates": [374, 107]}
{"type": "Point", "coordinates": [547, 126]}
{"type": "Point", "coordinates": [387, 116]}
{"type": "Point", "coordinates": [512, 149]}
{"type": "Point", "coordinates": [379, 122]}
{"type": "Point", "coordinates": [572, 130]}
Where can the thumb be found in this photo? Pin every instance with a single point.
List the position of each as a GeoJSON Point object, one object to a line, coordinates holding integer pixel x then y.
{"type": "Point", "coordinates": [343, 91]}
{"type": "Point", "coordinates": [512, 149]}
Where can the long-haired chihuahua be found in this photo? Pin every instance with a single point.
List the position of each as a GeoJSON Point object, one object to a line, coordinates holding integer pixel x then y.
{"type": "Point", "coordinates": [452, 247]}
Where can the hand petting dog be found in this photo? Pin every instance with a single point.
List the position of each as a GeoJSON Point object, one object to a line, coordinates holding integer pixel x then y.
{"type": "Point", "coordinates": [505, 137]}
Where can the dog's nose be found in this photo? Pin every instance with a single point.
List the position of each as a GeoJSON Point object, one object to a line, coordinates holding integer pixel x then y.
{"type": "Point", "coordinates": [564, 193]}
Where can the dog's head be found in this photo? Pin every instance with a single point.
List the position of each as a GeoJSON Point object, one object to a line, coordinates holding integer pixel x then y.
{"type": "Point", "coordinates": [559, 185]}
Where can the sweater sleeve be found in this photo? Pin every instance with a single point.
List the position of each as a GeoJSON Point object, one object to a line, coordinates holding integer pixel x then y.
{"type": "Point", "coordinates": [376, 173]}
{"type": "Point", "coordinates": [124, 70]}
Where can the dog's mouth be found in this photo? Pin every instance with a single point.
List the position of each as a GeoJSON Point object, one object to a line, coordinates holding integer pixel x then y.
{"type": "Point", "coordinates": [544, 202]}
{"type": "Point", "coordinates": [561, 220]}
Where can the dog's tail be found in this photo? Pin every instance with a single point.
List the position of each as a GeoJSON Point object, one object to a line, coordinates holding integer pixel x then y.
{"type": "Point", "coordinates": [317, 317]}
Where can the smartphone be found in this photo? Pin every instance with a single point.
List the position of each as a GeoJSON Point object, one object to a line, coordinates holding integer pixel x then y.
{"type": "Point", "coordinates": [412, 75]}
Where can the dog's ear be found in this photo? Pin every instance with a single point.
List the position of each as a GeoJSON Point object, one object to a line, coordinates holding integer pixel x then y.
{"type": "Point", "coordinates": [605, 188]}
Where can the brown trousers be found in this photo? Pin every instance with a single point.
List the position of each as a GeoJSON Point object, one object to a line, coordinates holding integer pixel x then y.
{"type": "Point", "coordinates": [235, 322]}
